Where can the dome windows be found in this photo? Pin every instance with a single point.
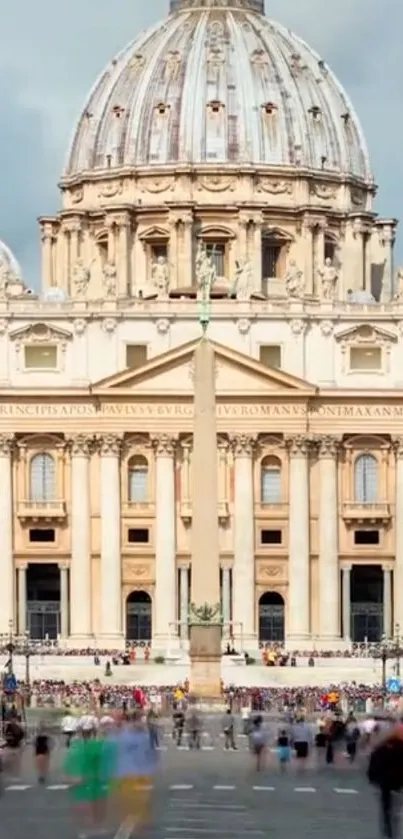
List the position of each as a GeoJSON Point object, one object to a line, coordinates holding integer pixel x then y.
{"type": "Point", "coordinates": [315, 113]}
{"type": "Point", "coordinates": [215, 106]}
{"type": "Point", "coordinates": [269, 109]}
{"type": "Point", "coordinates": [118, 111]}
{"type": "Point", "coordinates": [162, 109]}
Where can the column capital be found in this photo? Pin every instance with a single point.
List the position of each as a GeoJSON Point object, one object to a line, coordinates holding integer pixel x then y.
{"type": "Point", "coordinates": [348, 568]}
{"type": "Point", "coordinates": [7, 442]}
{"type": "Point", "coordinates": [63, 566]}
{"type": "Point", "coordinates": [80, 445]}
{"type": "Point", "coordinates": [397, 444]}
{"type": "Point", "coordinates": [223, 444]}
{"type": "Point", "coordinates": [243, 445]}
{"type": "Point", "coordinates": [299, 446]}
{"type": "Point", "coordinates": [328, 446]}
{"type": "Point", "coordinates": [109, 444]}
{"type": "Point", "coordinates": [164, 445]}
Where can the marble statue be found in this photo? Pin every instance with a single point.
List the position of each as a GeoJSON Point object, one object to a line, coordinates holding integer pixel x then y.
{"type": "Point", "coordinates": [244, 280]}
{"type": "Point", "coordinates": [398, 290]}
{"type": "Point", "coordinates": [329, 276]}
{"type": "Point", "coordinates": [206, 273]}
{"type": "Point", "coordinates": [294, 280]}
{"type": "Point", "coordinates": [109, 278]}
{"type": "Point", "coordinates": [160, 273]}
{"type": "Point", "coordinates": [80, 276]}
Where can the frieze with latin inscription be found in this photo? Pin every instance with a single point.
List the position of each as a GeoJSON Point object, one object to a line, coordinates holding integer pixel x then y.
{"type": "Point", "coordinates": [251, 410]}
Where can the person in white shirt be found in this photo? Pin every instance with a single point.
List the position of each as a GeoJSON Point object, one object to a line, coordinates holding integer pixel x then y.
{"type": "Point", "coordinates": [69, 727]}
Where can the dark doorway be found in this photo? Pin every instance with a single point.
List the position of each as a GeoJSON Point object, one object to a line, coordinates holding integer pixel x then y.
{"type": "Point", "coordinates": [271, 617]}
{"type": "Point", "coordinates": [366, 603]}
{"type": "Point", "coordinates": [43, 601]}
{"type": "Point", "coordinates": [138, 616]}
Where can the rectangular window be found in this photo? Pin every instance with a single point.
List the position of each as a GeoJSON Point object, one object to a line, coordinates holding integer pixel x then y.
{"type": "Point", "coordinates": [271, 537]}
{"type": "Point", "coordinates": [216, 252]}
{"type": "Point", "coordinates": [138, 535]}
{"type": "Point", "coordinates": [271, 254]}
{"type": "Point", "coordinates": [365, 359]}
{"type": "Point", "coordinates": [270, 355]}
{"type": "Point", "coordinates": [40, 357]}
{"type": "Point", "coordinates": [41, 535]}
{"type": "Point", "coordinates": [366, 537]}
{"type": "Point", "coordinates": [136, 355]}
{"type": "Point", "coordinates": [159, 250]}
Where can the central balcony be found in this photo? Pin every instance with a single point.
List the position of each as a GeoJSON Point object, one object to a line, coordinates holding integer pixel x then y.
{"type": "Point", "coordinates": [271, 511]}
{"type": "Point", "coordinates": [41, 511]}
{"type": "Point", "coordinates": [138, 509]}
{"type": "Point", "coordinates": [369, 513]}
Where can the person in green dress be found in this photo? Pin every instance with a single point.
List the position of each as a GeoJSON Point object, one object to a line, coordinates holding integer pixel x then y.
{"type": "Point", "coordinates": [89, 765]}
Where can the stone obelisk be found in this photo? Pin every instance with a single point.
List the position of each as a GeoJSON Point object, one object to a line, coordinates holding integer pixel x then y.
{"type": "Point", "coordinates": [205, 612]}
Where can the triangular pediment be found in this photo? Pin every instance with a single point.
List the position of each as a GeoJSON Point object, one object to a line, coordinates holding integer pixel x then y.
{"type": "Point", "coordinates": [365, 333]}
{"type": "Point", "coordinates": [173, 373]}
{"type": "Point", "coordinates": [40, 332]}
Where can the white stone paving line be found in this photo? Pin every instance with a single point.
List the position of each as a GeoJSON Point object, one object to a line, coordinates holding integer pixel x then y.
{"type": "Point", "coordinates": [187, 787]}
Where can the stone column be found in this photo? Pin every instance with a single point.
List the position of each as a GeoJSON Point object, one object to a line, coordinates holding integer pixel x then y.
{"type": "Point", "coordinates": [185, 493]}
{"type": "Point", "coordinates": [319, 252]}
{"type": "Point", "coordinates": [346, 586]}
{"type": "Point", "coordinates": [329, 586]}
{"type": "Point", "coordinates": [299, 594]}
{"type": "Point", "coordinates": [307, 232]}
{"type": "Point", "coordinates": [242, 239]}
{"type": "Point", "coordinates": [74, 228]}
{"type": "Point", "coordinates": [257, 252]}
{"type": "Point", "coordinates": [165, 542]}
{"type": "Point", "coordinates": [64, 601]}
{"type": "Point", "coordinates": [110, 224]}
{"type": "Point", "coordinates": [387, 237]}
{"type": "Point", "coordinates": [185, 252]}
{"type": "Point", "coordinates": [47, 254]}
{"type": "Point", "coordinates": [123, 274]}
{"type": "Point", "coordinates": [398, 569]}
{"type": "Point", "coordinates": [80, 565]}
{"type": "Point", "coordinates": [6, 535]}
{"type": "Point", "coordinates": [22, 599]}
{"type": "Point", "coordinates": [111, 570]}
{"type": "Point", "coordinates": [226, 598]}
{"type": "Point", "coordinates": [243, 588]}
{"type": "Point", "coordinates": [184, 601]}
{"type": "Point", "coordinates": [173, 255]}
{"type": "Point", "coordinates": [387, 602]}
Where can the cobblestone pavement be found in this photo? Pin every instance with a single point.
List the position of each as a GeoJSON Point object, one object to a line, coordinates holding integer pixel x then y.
{"type": "Point", "coordinates": [212, 795]}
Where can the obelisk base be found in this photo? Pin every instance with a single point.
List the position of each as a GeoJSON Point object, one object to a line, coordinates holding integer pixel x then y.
{"type": "Point", "coordinates": [205, 661]}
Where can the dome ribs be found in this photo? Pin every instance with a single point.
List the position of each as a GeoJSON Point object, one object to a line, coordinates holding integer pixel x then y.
{"type": "Point", "coordinates": [218, 83]}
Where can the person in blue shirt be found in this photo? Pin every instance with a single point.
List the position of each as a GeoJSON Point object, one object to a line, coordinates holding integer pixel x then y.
{"type": "Point", "coordinates": [135, 764]}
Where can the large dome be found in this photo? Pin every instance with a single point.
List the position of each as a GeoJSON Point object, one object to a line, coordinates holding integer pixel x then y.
{"type": "Point", "coordinates": [218, 83]}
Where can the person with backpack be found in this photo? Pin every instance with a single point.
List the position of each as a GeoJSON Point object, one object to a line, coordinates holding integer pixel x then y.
{"type": "Point", "coordinates": [385, 771]}
{"type": "Point", "coordinates": [258, 741]}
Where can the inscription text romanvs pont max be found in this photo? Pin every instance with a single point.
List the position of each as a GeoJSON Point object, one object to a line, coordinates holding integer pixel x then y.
{"type": "Point", "coordinates": [131, 409]}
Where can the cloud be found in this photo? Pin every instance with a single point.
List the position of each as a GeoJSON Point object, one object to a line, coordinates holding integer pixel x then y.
{"type": "Point", "coordinates": [51, 53]}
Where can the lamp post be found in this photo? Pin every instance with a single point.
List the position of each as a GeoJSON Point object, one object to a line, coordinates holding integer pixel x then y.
{"type": "Point", "coordinates": [10, 649]}
{"type": "Point", "coordinates": [27, 655]}
{"type": "Point", "coordinates": [398, 649]}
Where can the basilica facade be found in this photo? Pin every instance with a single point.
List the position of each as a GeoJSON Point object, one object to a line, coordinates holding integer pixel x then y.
{"type": "Point", "coordinates": [217, 161]}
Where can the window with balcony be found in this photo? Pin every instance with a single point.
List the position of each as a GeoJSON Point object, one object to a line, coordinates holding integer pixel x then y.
{"type": "Point", "coordinates": [366, 479]}
{"type": "Point", "coordinates": [136, 355]}
{"type": "Point", "coordinates": [42, 478]}
{"type": "Point", "coordinates": [138, 480]}
{"type": "Point", "coordinates": [270, 481]}
{"type": "Point", "coordinates": [270, 355]}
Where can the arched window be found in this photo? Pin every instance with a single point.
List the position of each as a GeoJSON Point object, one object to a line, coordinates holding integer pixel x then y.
{"type": "Point", "coordinates": [270, 480]}
{"type": "Point", "coordinates": [366, 479]}
{"type": "Point", "coordinates": [42, 478]}
{"type": "Point", "coordinates": [138, 479]}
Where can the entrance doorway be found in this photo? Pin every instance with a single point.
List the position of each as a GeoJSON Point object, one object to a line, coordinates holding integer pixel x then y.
{"type": "Point", "coordinates": [138, 616]}
{"type": "Point", "coordinates": [271, 617]}
{"type": "Point", "coordinates": [366, 603]}
{"type": "Point", "coordinates": [43, 601]}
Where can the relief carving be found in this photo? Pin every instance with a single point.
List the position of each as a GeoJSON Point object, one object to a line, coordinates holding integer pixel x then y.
{"type": "Point", "coordinates": [323, 191]}
{"type": "Point", "coordinates": [77, 195]}
{"type": "Point", "coordinates": [110, 188]}
{"type": "Point", "coordinates": [216, 183]}
{"type": "Point", "coordinates": [132, 571]}
{"type": "Point", "coordinates": [156, 184]}
{"type": "Point", "coordinates": [274, 187]}
{"type": "Point", "coordinates": [271, 571]}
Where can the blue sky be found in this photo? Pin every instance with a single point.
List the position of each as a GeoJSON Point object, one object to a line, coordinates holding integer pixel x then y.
{"type": "Point", "coordinates": [51, 52]}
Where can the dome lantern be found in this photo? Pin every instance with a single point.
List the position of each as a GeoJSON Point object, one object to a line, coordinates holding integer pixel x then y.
{"type": "Point", "coordinates": [246, 5]}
